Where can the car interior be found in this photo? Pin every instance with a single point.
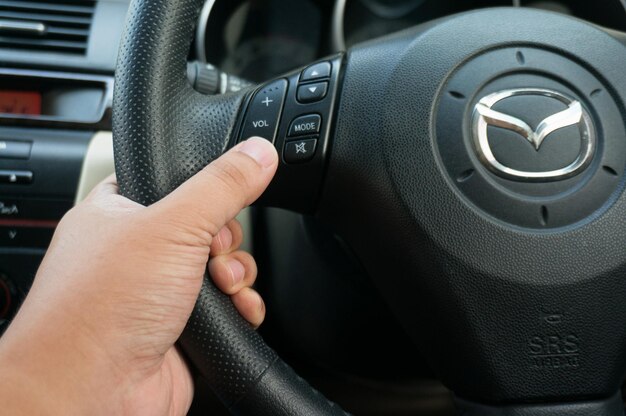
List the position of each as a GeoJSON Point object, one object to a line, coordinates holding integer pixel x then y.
{"type": "Point", "coordinates": [445, 232]}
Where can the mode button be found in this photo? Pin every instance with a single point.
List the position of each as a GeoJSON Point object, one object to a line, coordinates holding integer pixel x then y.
{"type": "Point", "coordinates": [309, 124]}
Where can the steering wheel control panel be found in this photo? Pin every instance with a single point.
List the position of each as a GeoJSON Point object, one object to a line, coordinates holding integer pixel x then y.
{"type": "Point", "coordinates": [295, 113]}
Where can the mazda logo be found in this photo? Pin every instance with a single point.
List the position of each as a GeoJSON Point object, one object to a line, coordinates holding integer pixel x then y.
{"type": "Point", "coordinates": [575, 115]}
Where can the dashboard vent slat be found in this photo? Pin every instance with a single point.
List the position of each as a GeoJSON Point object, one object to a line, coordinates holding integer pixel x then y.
{"type": "Point", "coordinates": [40, 44]}
{"type": "Point", "coordinates": [47, 7]}
{"type": "Point", "coordinates": [45, 18]}
{"type": "Point", "coordinates": [46, 25]}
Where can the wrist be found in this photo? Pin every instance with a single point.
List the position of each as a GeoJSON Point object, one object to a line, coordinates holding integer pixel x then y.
{"type": "Point", "coordinates": [48, 369]}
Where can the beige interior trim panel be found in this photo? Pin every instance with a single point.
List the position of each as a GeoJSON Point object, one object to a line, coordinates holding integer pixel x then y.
{"type": "Point", "coordinates": [98, 164]}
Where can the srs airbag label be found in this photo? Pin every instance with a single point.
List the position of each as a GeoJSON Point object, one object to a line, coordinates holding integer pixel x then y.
{"type": "Point", "coordinates": [554, 349]}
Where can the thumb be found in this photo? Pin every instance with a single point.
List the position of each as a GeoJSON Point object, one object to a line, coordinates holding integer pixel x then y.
{"type": "Point", "coordinates": [216, 194]}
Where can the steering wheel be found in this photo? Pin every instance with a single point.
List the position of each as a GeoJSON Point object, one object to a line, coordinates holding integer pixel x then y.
{"type": "Point", "coordinates": [475, 166]}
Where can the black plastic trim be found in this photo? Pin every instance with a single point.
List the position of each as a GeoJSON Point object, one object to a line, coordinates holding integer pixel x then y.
{"type": "Point", "coordinates": [613, 406]}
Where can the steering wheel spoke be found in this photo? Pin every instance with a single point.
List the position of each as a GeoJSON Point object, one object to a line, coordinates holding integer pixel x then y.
{"type": "Point", "coordinates": [295, 112]}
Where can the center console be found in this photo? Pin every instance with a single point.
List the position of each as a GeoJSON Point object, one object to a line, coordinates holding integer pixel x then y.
{"type": "Point", "coordinates": [47, 124]}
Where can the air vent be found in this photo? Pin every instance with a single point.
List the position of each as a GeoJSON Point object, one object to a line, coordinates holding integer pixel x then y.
{"type": "Point", "coordinates": [46, 25]}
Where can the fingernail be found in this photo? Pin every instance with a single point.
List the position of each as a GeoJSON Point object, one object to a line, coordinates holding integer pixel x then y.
{"type": "Point", "coordinates": [237, 271]}
{"type": "Point", "coordinates": [261, 150]}
{"type": "Point", "coordinates": [225, 238]}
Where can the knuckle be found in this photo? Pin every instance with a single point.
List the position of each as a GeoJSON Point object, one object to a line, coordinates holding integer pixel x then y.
{"type": "Point", "coordinates": [246, 258]}
{"type": "Point", "coordinates": [249, 263]}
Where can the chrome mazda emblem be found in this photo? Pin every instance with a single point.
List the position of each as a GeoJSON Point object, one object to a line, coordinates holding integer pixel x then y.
{"type": "Point", "coordinates": [484, 116]}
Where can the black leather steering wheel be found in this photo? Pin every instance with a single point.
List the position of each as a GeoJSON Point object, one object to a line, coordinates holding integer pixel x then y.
{"type": "Point", "coordinates": [442, 142]}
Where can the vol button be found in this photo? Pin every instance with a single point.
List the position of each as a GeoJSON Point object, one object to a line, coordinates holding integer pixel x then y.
{"type": "Point", "coordinates": [264, 111]}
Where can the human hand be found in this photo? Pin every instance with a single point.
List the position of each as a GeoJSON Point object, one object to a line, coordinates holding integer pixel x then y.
{"type": "Point", "coordinates": [96, 333]}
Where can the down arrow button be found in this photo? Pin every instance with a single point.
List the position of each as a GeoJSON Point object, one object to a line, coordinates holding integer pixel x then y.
{"type": "Point", "coordinates": [311, 93]}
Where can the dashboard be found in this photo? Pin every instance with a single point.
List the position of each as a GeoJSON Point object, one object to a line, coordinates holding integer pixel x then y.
{"type": "Point", "coordinates": [57, 64]}
{"type": "Point", "coordinates": [366, 19]}
{"type": "Point", "coordinates": [259, 39]}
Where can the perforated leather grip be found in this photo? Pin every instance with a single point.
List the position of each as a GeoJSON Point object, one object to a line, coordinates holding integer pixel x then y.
{"type": "Point", "coordinates": [164, 132]}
